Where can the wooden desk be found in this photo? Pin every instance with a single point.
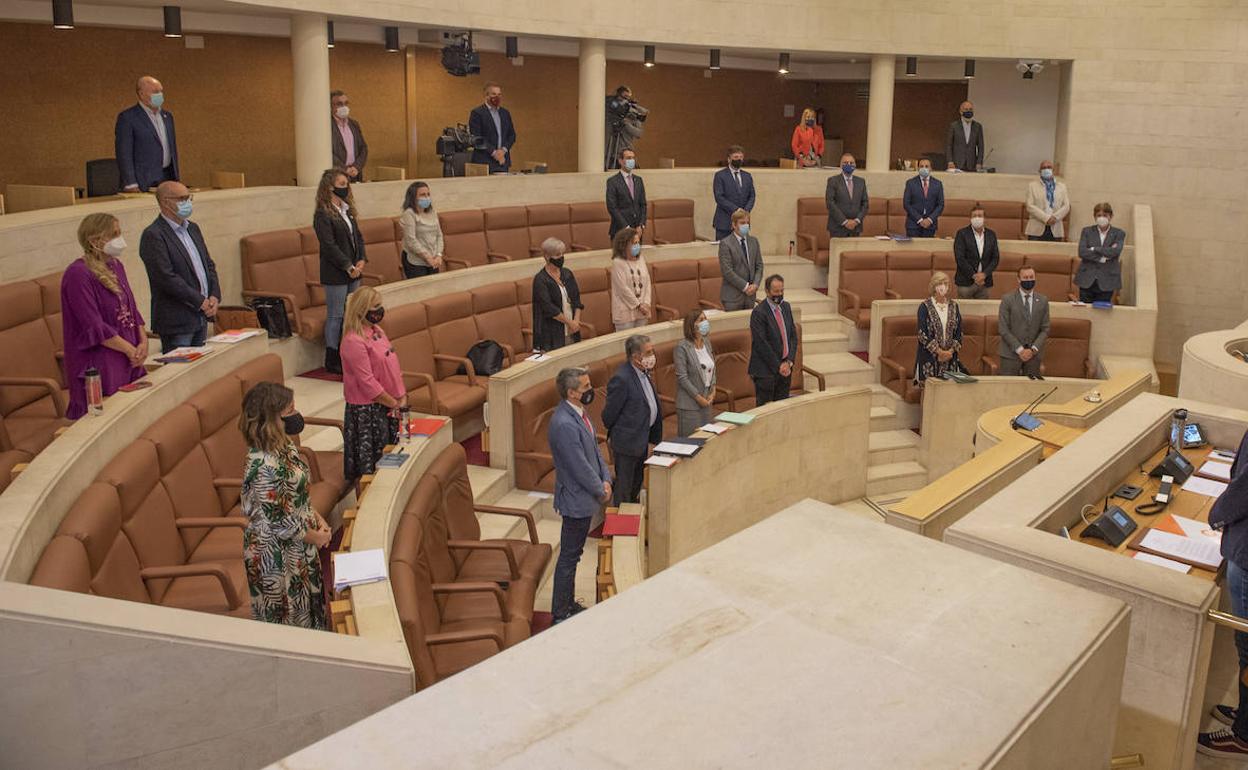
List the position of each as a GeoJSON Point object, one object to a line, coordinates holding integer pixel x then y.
{"type": "Point", "coordinates": [1183, 503]}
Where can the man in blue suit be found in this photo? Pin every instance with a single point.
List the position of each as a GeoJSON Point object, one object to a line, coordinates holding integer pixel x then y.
{"type": "Point", "coordinates": [144, 143]}
{"type": "Point", "coordinates": [633, 417]}
{"type": "Point", "coordinates": [492, 122]}
{"type": "Point", "coordinates": [733, 189]}
{"type": "Point", "coordinates": [582, 482]}
{"type": "Point", "coordinates": [924, 201]}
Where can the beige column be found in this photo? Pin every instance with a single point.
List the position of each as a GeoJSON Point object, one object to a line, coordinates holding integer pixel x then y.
{"type": "Point", "coordinates": [880, 112]}
{"type": "Point", "coordinates": [591, 140]}
{"type": "Point", "coordinates": [309, 51]}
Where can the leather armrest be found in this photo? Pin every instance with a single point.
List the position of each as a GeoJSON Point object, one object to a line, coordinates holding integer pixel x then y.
{"type": "Point", "coordinates": [535, 456]}
{"type": "Point", "coordinates": [287, 299]}
{"type": "Point", "coordinates": [455, 637]}
{"type": "Point", "coordinates": [823, 385]}
{"type": "Point", "coordinates": [659, 242]}
{"type": "Point", "coordinates": [890, 294]}
{"type": "Point", "coordinates": [326, 422]}
{"type": "Point", "coordinates": [431, 384]}
{"type": "Point", "coordinates": [51, 386]}
{"type": "Point", "coordinates": [476, 588]}
{"type": "Point", "coordinates": [228, 483]}
{"type": "Point", "coordinates": [517, 512]}
{"type": "Point", "coordinates": [989, 364]}
{"type": "Point", "coordinates": [314, 464]}
{"type": "Point", "coordinates": [707, 304]}
{"type": "Point", "coordinates": [208, 569]}
{"type": "Point", "coordinates": [477, 545]}
{"type": "Point", "coordinates": [509, 352]}
{"type": "Point", "coordinates": [664, 309]}
{"type": "Point", "coordinates": [494, 256]}
{"type": "Point", "coordinates": [894, 367]}
{"type": "Point", "coordinates": [375, 277]}
{"type": "Point", "coordinates": [854, 300]}
{"type": "Point", "coordinates": [593, 330]}
{"type": "Point", "coordinates": [579, 247]}
{"type": "Point", "coordinates": [806, 241]}
{"type": "Point", "coordinates": [468, 367]}
{"type": "Point", "coordinates": [535, 251]}
{"type": "Point", "coordinates": [191, 522]}
{"type": "Point", "coordinates": [452, 261]}
{"type": "Point", "coordinates": [732, 399]}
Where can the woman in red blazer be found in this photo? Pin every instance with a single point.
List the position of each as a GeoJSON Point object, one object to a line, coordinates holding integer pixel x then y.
{"type": "Point", "coordinates": [808, 140]}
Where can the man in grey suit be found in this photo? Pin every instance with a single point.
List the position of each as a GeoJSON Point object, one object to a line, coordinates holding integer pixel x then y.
{"type": "Point", "coordinates": [582, 482]}
{"type": "Point", "coordinates": [1023, 322]}
{"type": "Point", "coordinates": [740, 263]}
{"type": "Point", "coordinates": [965, 143]}
{"type": "Point", "coordinates": [1100, 257]}
{"type": "Point", "coordinates": [847, 201]}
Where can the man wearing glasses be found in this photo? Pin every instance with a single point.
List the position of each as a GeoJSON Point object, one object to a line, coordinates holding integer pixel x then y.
{"type": "Point", "coordinates": [183, 279]}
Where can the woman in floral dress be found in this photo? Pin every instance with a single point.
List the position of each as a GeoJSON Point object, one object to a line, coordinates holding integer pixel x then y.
{"type": "Point", "coordinates": [283, 531]}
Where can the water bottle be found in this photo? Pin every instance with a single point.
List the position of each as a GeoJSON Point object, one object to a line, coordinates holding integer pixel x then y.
{"type": "Point", "coordinates": [1178, 424]}
{"type": "Point", "coordinates": [405, 424]}
{"type": "Point", "coordinates": [95, 392]}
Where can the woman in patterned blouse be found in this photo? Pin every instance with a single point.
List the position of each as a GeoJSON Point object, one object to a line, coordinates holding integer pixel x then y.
{"type": "Point", "coordinates": [940, 332]}
{"type": "Point", "coordinates": [283, 532]}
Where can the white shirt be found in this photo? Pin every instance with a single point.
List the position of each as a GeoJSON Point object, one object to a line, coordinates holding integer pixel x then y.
{"type": "Point", "coordinates": [706, 363]}
{"type": "Point", "coordinates": [567, 307]}
{"type": "Point", "coordinates": [966, 129]}
{"type": "Point", "coordinates": [942, 312]}
{"type": "Point", "coordinates": [343, 208]}
{"type": "Point", "coordinates": [1103, 233]}
{"type": "Point", "coordinates": [158, 122]}
{"type": "Point", "coordinates": [979, 246]}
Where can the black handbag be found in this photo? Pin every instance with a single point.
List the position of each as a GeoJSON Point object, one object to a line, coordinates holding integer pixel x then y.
{"type": "Point", "coordinates": [486, 357]}
{"type": "Point", "coordinates": [271, 313]}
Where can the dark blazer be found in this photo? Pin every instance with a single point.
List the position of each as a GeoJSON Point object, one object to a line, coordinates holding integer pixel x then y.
{"type": "Point", "coordinates": [340, 149]}
{"type": "Point", "coordinates": [580, 470]}
{"type": "Point", "coordinates": [341, 247]}
{"type": "Point", "coordinates": [1020, 329]}
{"type": "Point", "coordinates": [842, 206]}
{"type": "Point", "coordinates": [548, 334]}
{"type": "Point", "coordinates": [138, 150]}
{"type": "Point", "coordinates": [729, 196]}
{"type": "Point", "coordinates": [481, 124]}
{"type": "Point", "coordinates": [625, 210]}
{"type": "Point", "coordinates": [176, 298]}
{"type": "Point", "coordinates": [766, 347]}
{"type": "Point", "coordinates": [968, 258]}
{"type": "Point", "coordinates": [1229, 514]}
{"type": "Point", "coordinates": [627, 413]}
{"type": "Point", "coordinates": [918, 206]}
{"type": "Point", "coordinates": [1108, 274]}
{"type": "Point", "coordinates": [963, 155]}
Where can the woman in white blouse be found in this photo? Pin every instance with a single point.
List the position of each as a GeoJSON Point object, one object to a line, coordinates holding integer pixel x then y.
{"type": "Point", "coordinates": [694, 361]}
{"type": "Point", "coordinates": [940, 332]}
{"type": "Point", "coordinates": [422, 235]}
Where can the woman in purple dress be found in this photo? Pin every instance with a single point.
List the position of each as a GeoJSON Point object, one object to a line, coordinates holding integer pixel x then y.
{"type": "Point", "coordinates": [102, 326]}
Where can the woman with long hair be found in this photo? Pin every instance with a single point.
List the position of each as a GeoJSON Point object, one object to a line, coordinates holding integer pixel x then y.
{"type": "Point", "coordinates": [808, 140]}
{"type": "Point", "coordinates": [422, 233]}
{"type": "Point", "coordinates": [372, 384]}
{"type": "Point", "coordinates": [283, 532]}
{"type": "Point", "coordinates": [630, 281]}
{"type": "Point", "coordinates": [100, 323]}
{"type": "Point", "coordinates": [342, 254]}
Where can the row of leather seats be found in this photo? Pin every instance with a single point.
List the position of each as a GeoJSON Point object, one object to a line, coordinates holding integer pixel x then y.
{"type": "Point", "coordinates": [532, 409]}
{"type": "Point", "coordinates": [286, 263]}
{"type": "Point", "coordinates": [33, 391]}
{"type": "Point", "coordinates": [1066, 354]}
{"type": "Point", "coordinates": [870, 275]}
{"type": "Point", "coordinates": [432, 338]}
{"type": "Point", "coordinates": [460, 599]}
{"type": "Point", "coordinates": [1008, 219]}
{"type": "Point", "coordinates": [162, 523]}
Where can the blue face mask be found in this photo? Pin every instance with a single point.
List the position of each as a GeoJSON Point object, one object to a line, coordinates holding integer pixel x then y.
{"type": "Point", "coordinates": [184, 209]}
{"type": "Point", "coordinates": [630, 164]}
{"type": "Point", "coordinates": [847, 169]}
{"type": "Point", "coordinates": [1046, 174]}
{"type": "Point", "coordinates": [158, 99]}
{"type": "Point", "coordinates": [704, 327]}
{"type": "Point", "coordinates": [424, 203]}
{"type": "Point", "coordinates": [744, 228]}
{"type": "Point", "coordinates": [925, 172]}
{"type": "Point", "coordinates": [635, 250]}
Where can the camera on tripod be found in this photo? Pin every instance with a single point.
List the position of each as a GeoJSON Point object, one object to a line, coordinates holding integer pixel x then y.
{"type": "Point", "coordinates": [454, 145]}
{"type": "Point", "coordinates": [624, 124]}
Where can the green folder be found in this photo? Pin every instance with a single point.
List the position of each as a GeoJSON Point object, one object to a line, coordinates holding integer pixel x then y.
{"type": "Point", "coordinates": [735, 418]}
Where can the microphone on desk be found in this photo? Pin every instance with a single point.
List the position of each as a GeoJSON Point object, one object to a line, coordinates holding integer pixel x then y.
{"type": "Point", "coordinates": [1024, 420]}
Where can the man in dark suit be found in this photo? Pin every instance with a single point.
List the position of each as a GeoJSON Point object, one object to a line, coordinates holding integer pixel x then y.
{"type": "Point", "coordinates": [492, 122]}
{"type": "Point", "coordinates": [626, 196]}
{"type": "Point", "coordinates": [350, 149]}
{"type": "Point", "coordinates": [975, 251]}
{"type": "Point", "coordinates": [182, 276]}
{"type": "Point", "coordinates": [632, 416]}
{"type": "Point", "coordinates": [740, 264]}
{"type": "Point", "coordinates": [143, 140]}
{"type": "Point", "coordinates": [773, 344]}
{"type": "Point", "coordinates": [1100, 253]}
{"type": "Point", "coordinates": [1023, 322]}
{"type": "Point", "coordinates": [964, 146]}
{"type": "Point", "coordinates": [582, 482]}
{"type": "Point", "coordinates": [924, 202]}
{"type": "Point", "coordinates": [847, 201]}
{"type": "Point", "coordinates": [733, 189]}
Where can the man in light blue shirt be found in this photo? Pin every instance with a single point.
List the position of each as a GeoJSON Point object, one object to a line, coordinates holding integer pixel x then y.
{"type": "Point", "coordinates": [182, 276]}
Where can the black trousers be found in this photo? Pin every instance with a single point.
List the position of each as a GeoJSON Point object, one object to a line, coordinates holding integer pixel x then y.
{"type": "Point", "coordinates": [771, 389]}
{"type": "Point", "coordinates": [417, 271]}
{"type": "Point", "coordinates": [1047, 235]}
{"type": "Point", "coordinates": [571, 544]}
{"type": "Point", "coordinates": [630, 472]}
{"type": "Point", "coordinates": [1094, 294]}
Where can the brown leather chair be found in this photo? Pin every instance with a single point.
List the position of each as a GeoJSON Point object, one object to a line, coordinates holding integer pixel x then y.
{"type": "Point", "coordinates": [812, 230]}
{"type": "Point", "coordinates": [311, 246]}
{"type": "Point", "coordinates": [33, 394]}
{"type": "Point", "coordinates": [50, 294]}
{"type": "Point", "coordinates": [524, 301]}
{"type": "Point", "coordinates": [673, 221]}
{"type": "Point", "coordinates": [900, 343]}
{"type": "Point", "coordinates": [595, 286]}
{"type": "Point", "coordinates": [944, 262]}
{"type": "Point", "coordinates": [1005, 277]}
{"type": "Point", "coordinates": [1055, 275]}
{"type": "Point", "coordinates": [896, 215]}
{"type": "Point", "coordinates": [590, 225]}
{"type": "Point", "coordinates": [407, 326]}
{"type": "Point", "coordinates": [863, 280]}
{"type": "Point", "coordinates": [956, 216]}
{"type": "Point", "coordinates": [531, 411]}
{"type": "Point", "coordinates": [991, 360]}
{"type": "Point", "coordinates": [383, 249]}
{"type": "Point", "coordinates": [876, 221]}
{"type": "Point", "coordinates": [550, 220]}
{"type": "Point", "coordinates": [710, 280]}
{"type": "Point", "coordinates": [1067, 352]}
{"type": "Point", "coordinates": [275, 264]}
{"type": "Point", "coordinates": [909, 273]}
{"type": "Point", "coordinates": [498, 318]}
{"type": "Point", "coordinates": [674, 285]}
{"type": "Point", "coordinates": [1005, 218]}
{"type": "Point", "coordinates": [453, 332]}
{"type": "Point", "coordinates": [507, 233]}
{"type": "Point", "coordinates": [463, 235]}
{"type": "Point", "coordinates": [971, 356]}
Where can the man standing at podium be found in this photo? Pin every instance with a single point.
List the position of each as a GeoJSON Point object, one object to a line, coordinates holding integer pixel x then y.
{"type": "Point", "coordinates": [143, 140]}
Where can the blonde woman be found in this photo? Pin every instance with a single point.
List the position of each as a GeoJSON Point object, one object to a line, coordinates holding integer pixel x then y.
{"type": "Point", "coordinates": [940, 332]}
{"type": "Point", "coordinates": [630, 281]}
{"type": "Point", "coordinates": [100, 322]}
{"type": "Point", "coordinates": [283, 532]}
{"type": "Point", "coordinates": [808, 140]}
{"type": "Point", "coordinates": [372, 384]}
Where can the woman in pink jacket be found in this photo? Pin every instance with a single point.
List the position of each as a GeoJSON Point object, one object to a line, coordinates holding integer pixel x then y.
{"type": "Point", "coordinates": [371, 384]}
{"type": "Point", "coordinates": [630, 281]}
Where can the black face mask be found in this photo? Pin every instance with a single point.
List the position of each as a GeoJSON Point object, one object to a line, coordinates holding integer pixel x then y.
{"type": "Point", "coordinates": [1027, 285]}
{"type": "Point", "coordinates": [342, 192]}
{"type": "Point", "coordinates": [293, 423]}
{"type": "Point", "coordinates": [735, 163]}
{"type": "Point", "coordinates": [587, 397]}
{"type": "Point", "coordinates": [778, 298]}
{"type": "Point", "coordinates": [810, 122]}
{"type": "Point", "coordinates": [557, 262]}
{"type": "Point", "coordinates": [968, 114]}
{"type": "Point", "coordinates": [374, 316]}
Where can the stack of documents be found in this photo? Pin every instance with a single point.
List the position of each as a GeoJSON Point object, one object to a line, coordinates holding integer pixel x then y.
{"type": "Point", "coordinates": [359, 567]}
{"type": "Point", "coordinates": [735, 418]}
{"type": "Point", "coordinates": [1183, 540]}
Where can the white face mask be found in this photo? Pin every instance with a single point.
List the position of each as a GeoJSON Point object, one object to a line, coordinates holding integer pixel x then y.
{"type": "Point", "coordinates": [942, 289]}
{"type": "Point", "coordinates": [977, 223]}
{"type": "Point", "coordinates": [647, 363]}
{"type": "Point", "coordinates": [115, 247]}
{"type": "Point", "coordinates": [342, 112]}
{"type": "Point", "coordinates": [1102, 221]}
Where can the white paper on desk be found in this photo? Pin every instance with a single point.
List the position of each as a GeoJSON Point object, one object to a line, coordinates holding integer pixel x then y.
{"type": "Point", "coordinates": [663, 461]}
{"type": "Point", "coordinates": [231, 337]}
{"type": "Point", "coordinates": [1225, 455]}
{"type": "Point", "coordinates": [674, 448]}
{"type": "Point", "coordinates": [540, 495]}
{"type": "Point", "coordinates": [186, 351]}
{"type": "Point", "coordinates": [1203, 551]}
{"type": "Point", "coordinates": [1193, 528]}
{"type": "Point", "coordinates": [1162, 561]}
{"type": "Point", "coordinates": [1215, 470]}
{"type": "Point", "coordinates": [716, 428]}
{"type": "Point", "coordinates": [1206, 487]}
{"type": "Point", "coordinates": [358, 567]}
{"type": "Point", "coordinates": [537, 357]}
